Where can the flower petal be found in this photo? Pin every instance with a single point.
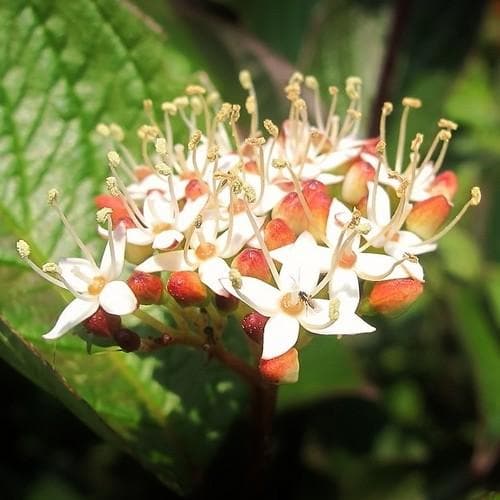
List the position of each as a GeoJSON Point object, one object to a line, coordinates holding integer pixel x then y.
{"type": "Point", "coordinates": [167, 261]}
{"type": "Point", "coordinates": [140, 237]}
{"type": "Point", "coordinates": [74, 270]}
{"type": "Point", "coordinates": [191, 210]}
{"type": "Point", "coordinates": [338, 215]}
{"type": "Point", "coordinates": [315, 315]}
{"type": "Point", "coordinates": [373, 267]}
{"type": "Point", "coordinates": [257, 294]}
{"type": "Point", "coordinates": [382, 214]}
{"type": "Point", "coordinates": [117, 298]}
{"type": "Point", "coordinates": [350, 324]}
{"type": "Point", "coordinates": [157, 210]}
{"type": "Point", "coordinates": [166, 239]}
{"type": "Point", "coordinates": [409, 242]}
{"type": "Point", "coordinates": [211, 272]}
{"type": "Point", "coordinates": [111, 268]}
{"type": "Point", "coordinates": [242, 232]}
{"type": "Point", "coordinates": [344, 286]}
{"type": "Point", "coordinates": [73, 314]}
{"type": "Point", "coordinates": [280, 334]}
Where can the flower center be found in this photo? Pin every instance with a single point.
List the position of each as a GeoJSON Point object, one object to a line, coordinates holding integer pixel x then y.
{"type": "Point", "coordinates": [347, 259]}
{"type": "Point", "coordinates": [205, 251]}
{"type": "Point", "coordinates": [160, 227]}
{"type": "Point", "coordinates": [291, 303]}
{"type": "Point", "coordinates": [96, 285]}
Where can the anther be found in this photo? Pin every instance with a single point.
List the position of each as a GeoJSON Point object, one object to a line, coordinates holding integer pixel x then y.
{"type": "Point", "coordinates": [334, 309]}
{"type": "Point", "coordinates": [224, 112]}
{"type": "Point", "coordinates": [196, 105]}
{"type": "Point", "coordinates": [417, 142]}
{"type": "Point", "coordinates": [113, 159]}
{"type": "Point", "coordinates": [444, 135]}
{"type": "Point", "coordinates": [213, 153]}
{"type": "Point", "coordinates": [333, 90]}
{"type": "Point", "coordinates": [161, 146]}
{"type": "Point", "coordinates": [52, 197]}
{"type": "Point", "coordinates": [280, 163]}
{"type": "Point", "coordinates": [169, 108]}
{"type": "Point", "coordinates": [102, 216]}
{"type": "Point", "coordinates": [23, 249]}
{"type": "Point", "coordinates": [51, 268]}
{"type": "Point", "coordinates": [102, 129]}
{"type": "Point", "coordinates": [448, 124]}
{"type": "Point", "coordinates": [245, 79]}
{"type": "Point", "coordinates": [116, 132]}
{"type": "Point", "coordinates": [250, 104]}
{"type": "Point", "coordinates": [387, 108]}
{"type": "Point", "coordinates": [163, 169]}
{"type": "Point", "coordinates": [235, 278]}
{"type": "Point", "coordinates": [112, 186]}
{"type": "Point", "coordinates": [181, 102]}
{"type": "Point", "coordinates": [271, 128]}
{"type": "Point", "coordinates": [195, 90]}
{"type": "Point", "coordinates": [412, 102]}
{"type": "Point", "coordinates": [195, 140]}
{"type": "Point", "coordinates": [311, 82]}
{"type": "Point", "coordinates": [475, 193]}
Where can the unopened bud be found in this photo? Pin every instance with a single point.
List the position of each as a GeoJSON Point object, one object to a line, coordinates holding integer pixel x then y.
{"type": "Point", "coordinates": [428, 215]}
{"type": "Point", "coordinates": [102, 323]}
{"type": "Point", "coordinates": [128, 340]}
{"type": "Point", "coordinates": [148, 288]}
{"type": "Point", "coordinates": [392, 296]}
{"type": "Point", "coordinates": [186, 288]}
{"type": "Point", "coordinates": [251, 262]}
{"type": "Point", "coordinates": [253, 325]}
{"type": "Point", "coordinates": [281, 370]}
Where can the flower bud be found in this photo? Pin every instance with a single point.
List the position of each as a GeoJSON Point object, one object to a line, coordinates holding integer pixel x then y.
{"type": "Point", "coordinates": [119, 214]}
{"type": "Point", "coordinates": [355, 186]}
{"type": "Point", "coordinates": [195, 188]}
{"type": "Point", "coordinates": [427, 216]}
{"type": "Point", "coordinates": [446, 183]}
{"type": "Point", "coordinates": [102, 323]}
{"type": "Point", "coordinates": [281, 370]}
{"type": "Point", "coordinates": [278, 233]}
{"type": "Point", "coordinates": [251, 262]}
{"type": "Point", "coordinates": [394, 295]}
{"type": "Point", "coordinates": [142, 171]}
{"type": "Point", "coordinates": [148, 288]}
{"type": "Point", "coordinates": [137, 254]}
{"type": "Point", "coordinates": [226, 304]}
{"type": "Point", "coordinates": [128, 340]}
{"type": "Point", "coordinates": [253, 325]}
{"type": "Point", "coordinates": [186, 288]}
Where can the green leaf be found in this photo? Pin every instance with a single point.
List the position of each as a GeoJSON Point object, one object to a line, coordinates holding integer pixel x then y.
{"type": "Point", "coordinates": [65, 67]}
{"type": "Point", "coordinates": [492, 282]}
{"type": "Point", "coordinates": [327, 368]}
{"type": "Point", "coordinates": [478, 339]}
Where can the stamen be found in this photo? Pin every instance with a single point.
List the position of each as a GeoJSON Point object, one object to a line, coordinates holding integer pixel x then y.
{"type": "Point", "coordinates": [386, 111]}
{"type": "Point", "coordinates": [445, 136]}
{"type": "Point", "coordinates": [312, 83]}
{"type": "Point", "coordinates": [408, 103]}
{"type": "Point", "coordinates": [333, 91]}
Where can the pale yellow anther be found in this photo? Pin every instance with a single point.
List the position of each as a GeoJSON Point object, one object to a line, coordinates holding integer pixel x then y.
{"type": "Point", "coordinates": [387, 108]}
{"type": "Point", "coordinates": [51, 268]}
{"type": "Point", "coordinates": [444, 135]}
{"type": "Point", "coordinates": [250, 104]}
{"type": "Point", "coordinates": [271, 128]}
{"type": "Point", "coordinates": [213, 98]}
{"type": "Point", "coordinates": [354, 114]}
{"type": "Point", "coordinates": [213, 153]}
{"type": "Point", "coordinates": [224, 112]}
{"type": "Point", "coordinates": [333, 90]}
{"type": "Point", "coordinates": [102, 129]}
{"type": "Point", "coordinates": [355, 219]}
{"type": "Point", "coordinates": [364, 227]}
{"type": "Point", "coordinates": [444, 123]}
{"type": "Point", "coordinates": [113, 159]}
{"type": "Point", "coordinates": [235, 112]}
{"type": "Point", "coordinates": [297, 77]}
{"type": "Point", "coordinates": [195, 90]}
{"type": "Point", "coordinates": [245, 79]}
{"type": "Point", "coordinates": [353, 81]}
{"type": "Point", "coordinates": [163, 169]}
{"type": "Point", "coordinates": [236, 186]}
{"type": "Point", "coordinates": [23, 249]}
{"type": "Point", "coordinates": [334, 309]}
{"type": "Point", "coordinates": [116, 132]}
{"type": "Point", "coordinates": [380, 147]}
{"type": "Point", "coordinates": [103, 215]}
{"type": "Point", "coordinates": [161, 146]}
{"type": "Point", "coordinates": [249, 193]}
{"type": "Point", "coordinates": [292, 91]}
{"type": "Point", "coordinates": [417, 142]}
{"type": "Point", "coordinates": [235, 278]}
{"type": "Point", "coordinates": [181, 102]}
{"type": "Point", "coordinates": [148, 132]}
{"type": "Point", "coordinates": [195, 140]}
{"type": "Point", "coordinates": [311, 82]}
{"type": "Point", "coordinates": [280, 163]}
{"type": "Point", "coordinates": [198, 221]}
{"type": "Point", "coordinates": [112, 186]}
{"type": "Point", "coordinates": [299, 104]}
{"type": "Point", "coordinates": [196, 105]}
{"type": "Point", "coordinates": [147, 104]}
{"type": "Point", "coordinates": [412, 102]}
{"type": "Point", "coordinates": [475, 194]}
{"type": "Point", "coordinates": [169, 108]}
{"type": "Point", "coordinates": [255, 141]}
{"type": "Point", "coordinates": [52, 197]}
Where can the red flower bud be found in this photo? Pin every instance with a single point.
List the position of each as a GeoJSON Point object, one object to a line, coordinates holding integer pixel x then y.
{"type": "Point", "coordinates": [251, 167]}
{"type": "Point", "coordinates": [195, 188]}
{"type": "Point", "coordinates": [277, 233]}
{"type": "Point", "coordinates": [394, 295]}
{"type": "Point", "coordinates": [128, 340]}
{"type": "Point", "coordinates": [253, 325]}
{"type": "Point", "coordinates": [446, 183]}
{"type": "Point", "coordinates": [148, 288]}
{"type": "Point", "coordinates": [251, 262]}
{"type": "Point", "coordinates": [102, 323]}
{"type": "Point", "coordinates": [116, 204]}
{"type": "Point", "coordinates": [186, 288]}
{"type": "Point", "coordinates": [226, 304]}
{"type": "Point", "coordinates": [355, 185]}
{"type": "Point", "coordinates": [427, 216]}
{"type": "Point", "coordinates": [281, 370]}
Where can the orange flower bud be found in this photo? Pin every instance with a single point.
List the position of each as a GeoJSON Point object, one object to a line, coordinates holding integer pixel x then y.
{"type": "Point", "coordinates": [148, 288]}
{"type": "Point", "coordinates": [394, 295]}
{"type": "Point", "coordinates": [446, 183]}
{"type": "Point", "coordinates": [278, 233]}
{"type": "Point", "coordinates": [186, 288]}
{"type": "Point", "coordinates": [427, 216]}
{"type": "Point", "coordinates": [251, 262]}
{"type": "Point", "coordinates": [281, 370]}
{"type": "Point", "coordinates": [195, 188]}
{"type": "Point", "coordinates": [355, 186]}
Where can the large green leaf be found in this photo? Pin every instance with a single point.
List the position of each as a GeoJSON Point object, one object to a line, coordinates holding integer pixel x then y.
{"type": "Point", "coordinates": [66, 66]}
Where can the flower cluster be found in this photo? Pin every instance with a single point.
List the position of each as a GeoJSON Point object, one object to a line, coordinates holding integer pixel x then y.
{"type": "Point", "coordinates": [288, 227]}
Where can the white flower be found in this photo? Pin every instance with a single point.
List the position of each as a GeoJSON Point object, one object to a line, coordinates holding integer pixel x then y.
{"type": "Point", "coordinates": [290, 305]}
{"type": "Point", "coordinates": [94, 286]}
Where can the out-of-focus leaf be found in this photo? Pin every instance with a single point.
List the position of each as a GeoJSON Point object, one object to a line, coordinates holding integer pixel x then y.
{"type": "Point", "coordinates": [492, 282]}
{"type": "Point", "coordinates": [461, 255]}
{"type": "Point", "coordinates": [326, 368]}
{"type": "Point", "coordinates": [66, 66]}
{"type": "Point", "coordinates": [478, 339]}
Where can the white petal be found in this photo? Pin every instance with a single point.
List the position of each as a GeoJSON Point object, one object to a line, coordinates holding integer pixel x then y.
{"type": "Point", "coordinates": [211, 272]}
{"type": "Point", "coordinates": [111, 268]}
{"type": "Point", "coordinates": [167, 261]}
{"type": "Point", "coordinates": [315, 314]}
{"type": "Point", "coordinates": [300, 271]}
{"type": "Point", "coordinates": [73, 314]}
{"type": "Point", "coordinates": [334, 160]}
{"type": "Point", "coordinates": [191, 210]}
{"type": "Point", "coordinates": [344, 286]}
{"type": "Point", "coordinates": [409, 242]}
{"type": "Point", "coordinates": [273, 194]}
{"type": "Point", "coordinates": [338, 215]}
{"type": "Point", "coordinates": [382, 214]}
{"type": "Point", "coordinates": [157, 210]}
{"type": "Point", "coordinates": [140, 237]}
{"type": "Point", "coordinates": [166, 239]}
{"type": "Point", "coordinates": [280, 334]}
{"type": "Point", "coordinates": [369, 266]}
{"type": "Point", "coordinates": [281, 254]}
{"type": "Point", "coordinates": [242, 232]}
{"type": "Point", "coordinates": [329, 179]}
{"type": "Point", "coordinates": [72, 268]}
{"type": "Point", "coordinates": [257, 294]}
{"type": "Point", "coordinates": [117, 298]}
{"type": "Point", "coordinates": [347, 325]}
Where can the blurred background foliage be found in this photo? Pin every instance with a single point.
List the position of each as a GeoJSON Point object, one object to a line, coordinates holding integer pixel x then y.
{"type": "Point", "coordinates": [412, 412]}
